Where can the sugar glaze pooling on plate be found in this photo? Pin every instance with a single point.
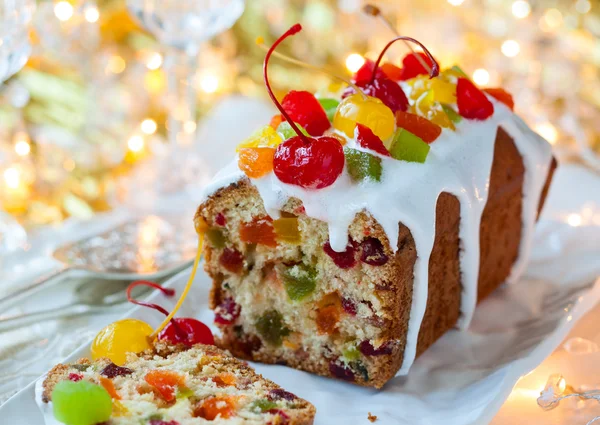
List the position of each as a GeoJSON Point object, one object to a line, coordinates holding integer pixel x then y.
{"type": "Point", "coordinates": [458, 163]}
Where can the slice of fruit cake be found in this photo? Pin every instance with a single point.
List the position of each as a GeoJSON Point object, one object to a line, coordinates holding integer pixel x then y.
{"type": "Point", "coordinates": [168, 385]}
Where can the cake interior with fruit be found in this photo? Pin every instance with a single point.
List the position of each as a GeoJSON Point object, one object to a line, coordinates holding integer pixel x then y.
{"type": "Point", "coordinates": [364, 222]}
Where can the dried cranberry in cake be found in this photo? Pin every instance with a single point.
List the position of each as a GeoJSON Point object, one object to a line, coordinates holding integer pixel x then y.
{"type": "Point", "coordinates": [419, 126]}
{"type": "Point", "coordinates": [341, 371]}
{"type": "Point", "coordinates": [227, 312]}
{"type": "Point", "coordinates": [384, 89]}
{"type": "Point", "coordinates": [472, 102]}
{"type": "Point", "coordinates": [210, 408]}
{"type": "Point", "coordinates": [281, 394]}
{"type": "Point", "coordinates": [304, 108]}
{"type": "Point", "coordinates": [308, 162]}
{"type": "Point", "coordinates": [232, 260]}
{"type": "Point", "coordinates": [112, 370]}
{"type": "Point", "coordinates": [368, 140]}
{"type": "Point", "coordinates": [349, 306]}
{"type": "Point", "coordinates": [75, 377]}
{"type": "Point", "coordinates": [281, 418]}
{"type": "Point", "coordinates": [345, 259]}
{"type": "Point", "coordinates": [161, 422]}
{"type": "Point", "coordinates": [501, 95]}
{"type": "Point", "coordinates": [220, 220]}
{"type": "Point", "coordinates": [367, 349]}
{"type": "Point", "coordinates": [187, 331]}
{"type": "Point", "coordinates": [412, 66]}
{"type": "Point", "coordinates": [373, 252]}
{"type": "Point", "coordinates": [259, 231]}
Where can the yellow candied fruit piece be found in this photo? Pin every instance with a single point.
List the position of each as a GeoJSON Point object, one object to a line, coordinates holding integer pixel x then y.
{"type": "Point", "coordinates": [292, 341]}
{"type": "Point", "coordinates": [418, 85]}
{"type": "Point", "coordinates": [443, 91]}
{"type": "Point", "coordinates": [368, 111]}
{"type": "Point", "coordinates": [263, 137]}
{"type": "Point", "coordinates": [287, 230]}
{"type": "Point", "coordinates": [439, 117]}
{"type": "Point", "coordinates": [200, 225]}
{"type": "Point", "coordinates": [118, 339]}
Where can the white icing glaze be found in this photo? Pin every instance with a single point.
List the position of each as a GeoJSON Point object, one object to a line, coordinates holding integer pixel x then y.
{"type": "Point", "coordinates": [458, 163]}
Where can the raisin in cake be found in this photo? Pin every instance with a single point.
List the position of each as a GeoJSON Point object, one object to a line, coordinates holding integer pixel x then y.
{"type": "Point", "coordinates": [177, 385]}
{"type": "Point", "coordinates": [349, 261]}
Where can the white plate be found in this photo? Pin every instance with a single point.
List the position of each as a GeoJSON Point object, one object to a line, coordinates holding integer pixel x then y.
{"type": "Point", "coordinates": [464, 378]}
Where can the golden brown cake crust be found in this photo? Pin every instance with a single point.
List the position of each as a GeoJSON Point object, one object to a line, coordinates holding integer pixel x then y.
{"type": "Point", "coordinates": [500, 236]}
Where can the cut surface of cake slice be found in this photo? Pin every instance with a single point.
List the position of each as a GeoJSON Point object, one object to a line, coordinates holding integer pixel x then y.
{"type": "Point", "coordinates": [169, 385]}
{"type": "Point", "coordinates": [348, 248]}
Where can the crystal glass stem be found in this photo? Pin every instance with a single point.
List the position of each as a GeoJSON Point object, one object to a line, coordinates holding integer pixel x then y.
{"type": "Point", "coordinates": [180, 66]}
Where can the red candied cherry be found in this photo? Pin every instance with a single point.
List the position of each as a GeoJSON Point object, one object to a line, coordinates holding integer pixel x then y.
{"type": "Point", "coordinates": [341, 372]}
{"type": "Point", "coordinates": [232, 260]}
{"type": "Point", "coordinates": [368, 140]}
{"type": "Point", "coordinates": [472, 103]}
{"type": "Point", "coordinates": [309, 162]}
{"type": "Point", "coordinates": [345, 259]}
{"type": "Point", "coordinates": [386, 90]}
{"type": "Point", "coordinates": [161, 422]}
{"type": "Point", "coordinates": [412, 65]}
{"type": "Point", "coordinates": [187, 331]}
{"type": "Point", "coordinates": [75, 377]}
{"type": "Point", "coordinates": [367, 349]}
{"type": "Point", "coordinates": [227, 312]}
{"type": "Point", "coordinates": [365, 72]}
{"type": "Point", "coordinates": [373, 252]}
{"type": "Point", "coordinates": [304, 108]}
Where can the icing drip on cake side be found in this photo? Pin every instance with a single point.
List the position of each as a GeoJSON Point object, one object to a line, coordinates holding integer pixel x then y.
{"type": "Point", "coordinates": [458, 163]}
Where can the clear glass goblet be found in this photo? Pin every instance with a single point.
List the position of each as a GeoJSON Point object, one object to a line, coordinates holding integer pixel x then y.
{"type": "Point", "coordinates": [182, 26]}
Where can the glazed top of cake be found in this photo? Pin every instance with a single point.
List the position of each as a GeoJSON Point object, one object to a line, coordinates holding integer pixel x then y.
{"type": "Point", "coordinates": [391, 150]}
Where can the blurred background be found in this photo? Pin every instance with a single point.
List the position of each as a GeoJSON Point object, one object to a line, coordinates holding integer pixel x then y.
{"type": "Point", "coordinates": [90, 106]}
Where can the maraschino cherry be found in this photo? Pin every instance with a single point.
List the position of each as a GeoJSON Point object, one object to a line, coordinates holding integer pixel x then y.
{"type": "Point", "coordinates": [308, 162]}
{"type": "Point", "coordinates": [183, 330]}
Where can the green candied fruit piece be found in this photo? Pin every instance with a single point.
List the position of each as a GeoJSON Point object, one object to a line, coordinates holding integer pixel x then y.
{"type": "Point", "coordinates": [457, 69]}
{"type": "Point", "coordinates": [360, 368]}
{"type": "Point", "coordinates": [81, 403]}
{"type": "Point", "coordinates": [451, 113]}
{"type": "Point", "coordinates": [216, 237]}
{"type": "Point", "coordinates": [408, 147]}
{"type": "Point", "coordinates": [272, 327]}
{"type": "Point", "coordinates": [263, 405]}
{"type": "Point", "coordinates": [330, 106]}
{"type": "Point", "coordinates": [286, 130]}
{"type": "Point", "coordinates": [300, 281]}
{"type": "Point", "coordinates": [351, 353]}
{"type": "Point", "coordinates": [184, 392]}
{"type": "Point", "coordinates": [362, 165]}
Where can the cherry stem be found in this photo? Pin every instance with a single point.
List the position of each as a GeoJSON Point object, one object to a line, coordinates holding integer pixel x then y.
{"type": "Point", "coordinates": [167, 291]}
{"type": "Point", "coordinates": [433, 72]}
{"type": "Point", "coordinates": [289, 59]}
{"type": "Point", "coordinates": [293, 30]}
{"type": "Point", "coordinates": [372, 10]}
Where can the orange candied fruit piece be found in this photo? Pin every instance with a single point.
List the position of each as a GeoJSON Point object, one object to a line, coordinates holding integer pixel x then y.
{"type": "Point", "coordinates": [166, 382]}
{"type": "Point", "coordinates": [502, 96]}
{"type": "Point", "coordinates": [256, 162]}
{"type": "Point", "coordinates": [419, 126]}
{"type": "Point", "coordinates": [328, 313]}
{"type": "Point", "coordinates": [275, 121]}
{"type": "Point", "coordinates": [224, 380]}
{"type": "Point", "coordinates": [391, 71]}
{"type": "Point", "coordinates": [259, 231]}
{"type": "Point", "coordinates": [109, 386]}
{"type": "Point", "coordinates": [218, 406]}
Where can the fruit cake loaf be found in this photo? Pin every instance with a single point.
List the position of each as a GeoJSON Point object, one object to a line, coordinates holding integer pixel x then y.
{"type": "Point", "coordinates": [168, 385]}
{"type": "Point", "coordinates": [347, 248]}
